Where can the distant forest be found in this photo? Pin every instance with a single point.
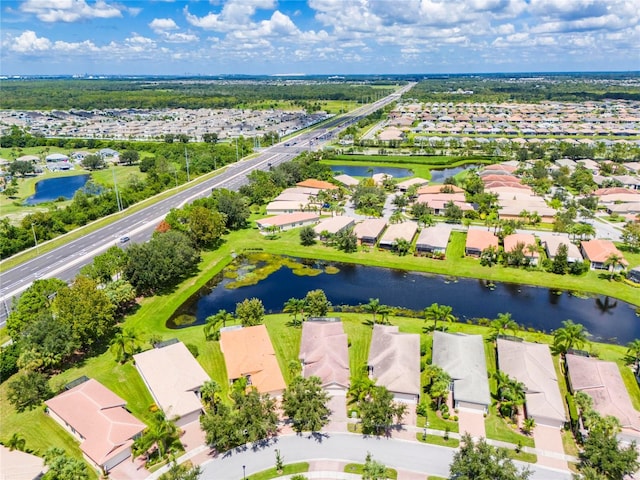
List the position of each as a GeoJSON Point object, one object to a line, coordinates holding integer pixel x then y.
{"type": "Point", "coordinates": [85, 94]}
{"type": "Point", "coordinates": [528, 89]}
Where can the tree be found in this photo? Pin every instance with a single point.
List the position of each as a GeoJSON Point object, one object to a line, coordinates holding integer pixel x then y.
{"type": "Point", "coordinates": [528, 425]}
{"type": "Point", "coordinates": [373, 470]}
{"type": "Point", "coordinates": [631, 235]}
{"type": "Point", "coordinates": [9, 355]}
{"type": "Point", "coordinates": [378, 411]}
{"type": "Point", "coordinates": [603, 453]}
{"type": "Point", "coordinates": [121, 294]}
{"type": "Point", "coordinates": [106, 265]}
{"type": "Point", "coordinates": [87, 309]}
{"type": "Point", "coordinates": [161, 432]}
{"type": "Point", "coordinates": [316, 303]}
{"type": "Point", "coordinates": [452, 212]}
{"type": "Point", "coordinates": [182, 471]}
{"type": "Point", "coordinates": [33, 302]}
{"type": "Point", "coordinates": [438, 382]}
{"type": "Point", "coordinates": [295, 307]}
{"type": "Point", "coordinates": [501, 324]}
{"type": "Point", "coordinates": [124, 344]}
{"type": "Point", "coordinates": [489, 256]}
{"type": "Point", "coordinates": [28, 391]}
{"type": "Point", "coordinates": [305, 403]}
{"type": "Point", "coordinates": [16, 442]}
{"type": "Point", "coordinates": [279, 461]}
{"type": "Point", "coordinates": [210, 394]}
{"type": "Point", "coordinates": [22, 168]}
{"type": "Point", "coordinates": [401, 246]}
{"type": "Point", "coordinates": [560, 265]}
{"type": "Point", "coordinates": [373, 307]}
{"type": "Point", "coordinates": [511, 394]}
{"type": "Point", "coordinates": [570, 335]}
{"type": "Point", "coordinates": [63, 467]}
{"type": "Point", "coordinates": [250, 312]}
{"type": "Point", "coordinates": [307, 236]}
{"type": "Point", "coordinates": [205, 226]}
{"type": "Point", "coordinates": [93, 162]}
{"type": "Point", "coordinates": [46, 344]}
{"type": "Point", "coordinates": [233, 205]}
{"type": "Point", "coordinates": [346, 241]}
{"type": "Point", "coordinates": [614, 262]}
{"type": "Point", "coordinates": [481, 461]}
{"type": "Point", "coordinates": [211, 138]}
{"type": "Point", "coordinates": [160, 263]}
{"type": "Point", "coordinates": [213, 323]}
{"type": "Point", "coordinates": [129, 157]}
{"type": "Point", "coordinates": [633, 353]}
{"type": "Point", "coordinates": [438, 313]}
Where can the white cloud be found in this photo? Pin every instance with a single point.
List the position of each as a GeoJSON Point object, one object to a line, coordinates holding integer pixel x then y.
{"type": "Point", "coordinates": [29, 42]}
{"type": "Point", "coordinates": [51, 11]}
{"type": "Point", "coordinates": [163, 24]}
{"type": "Point", "coordinates": [180, 37]}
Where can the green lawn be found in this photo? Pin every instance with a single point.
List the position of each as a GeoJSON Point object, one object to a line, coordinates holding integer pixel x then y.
{"type": "Point", "coordinates": [358, 468]}
{"type": "Point", "coordinates": [438, 440]}
{"type": "Point", "coordinates": [290, 469]}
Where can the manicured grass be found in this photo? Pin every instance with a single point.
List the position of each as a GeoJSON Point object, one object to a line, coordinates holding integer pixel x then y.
{"type": "Point", "coordinates": [290, 469]}
{"type": "Point", "coordinates": [522, 456]}
{"type": "Point", "coordinates": [359, 337]}
{"type": "Point", "coordinates": [358, 468]}
{"type": "Point", "coordinates": [569, 443]}
{"type": "Point", "coordinates": [286, 342]}
{"type": "Point", "coordinates": [438, 440]}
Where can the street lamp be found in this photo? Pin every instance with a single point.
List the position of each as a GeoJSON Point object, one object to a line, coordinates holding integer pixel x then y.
{"type": "Point", "coordinates": [35, 239]}
{"type": "Point", "coordinates": [243, 472]}
{"type": "Point", "coordinates": [424, 434]}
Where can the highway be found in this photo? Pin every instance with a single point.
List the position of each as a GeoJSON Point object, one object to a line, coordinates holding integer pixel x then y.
{"type": "Point", "coordinates": [64, 262]}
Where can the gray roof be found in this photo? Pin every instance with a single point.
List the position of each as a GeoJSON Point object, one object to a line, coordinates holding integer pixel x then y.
{"type": "Point", "coordinates": [553, 241]}
{"type": "Point", "coordinates": [371, 228]}
{"type": "Point", "coordinates": [404, 230]}
{"type": "Point", "coordinates": [325, 353]}
{"type": "Point", "coordinates": [436, 236]}
{"type": "Point", "coordinates": [395, 358]}
{"type": "Point", "coordinates": [531, 364]}
{"type": "Point", "coordinates": [463, 358]}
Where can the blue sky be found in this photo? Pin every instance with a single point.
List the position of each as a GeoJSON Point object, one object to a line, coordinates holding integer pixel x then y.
{"type": "Point", "coordinates": [210, 37]}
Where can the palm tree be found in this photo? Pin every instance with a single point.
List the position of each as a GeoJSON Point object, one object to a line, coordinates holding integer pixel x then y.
{"type": "Point", "coordinates": [210, 394]}
{"type": "Point", "coordinates": [633, 353]}
{"type": "Point", "coordinates": [16, 442]}
{"type": "Point", "coordinates": [214, 322]}
{"type": "Point", "coordinates": [437, 313]}
{"type": "Point", "coordinates": [373, 307]}
{"type": "Point", "coordinates": [384, 311]}
{"type": "Point", "coordinates": [123, 344]}
{"type": "Point", "coordinates": [294, 306]}
{"type": "Point", "coordinates": [570, 335]}
{"type": "Point", "coordinates": [612, 262]}
{"type": "Point", "coordinates": [360, 388]}
{"type": "Point", "coordinates": [511, 393]}
{"type": "Point", "coordinates": [162, 433]}
{"type": "Point", "coordinates": [501, 324]}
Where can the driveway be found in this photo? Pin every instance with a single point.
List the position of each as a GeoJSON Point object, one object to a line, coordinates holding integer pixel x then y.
{"type": "Point", "coordinates": [399, 454]}
{"type": "Point", "coordinates": [471, 421]}
{"type": "Point", "coordinates": [549, 440]}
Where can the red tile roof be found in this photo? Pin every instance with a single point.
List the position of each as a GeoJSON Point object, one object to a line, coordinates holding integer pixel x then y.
{"type": "Point", "coordinates": [599, 250]}
{"type": "Point", "coordinates": [478, 239]}
{"type": "Point", "coordinates": [319, 184]}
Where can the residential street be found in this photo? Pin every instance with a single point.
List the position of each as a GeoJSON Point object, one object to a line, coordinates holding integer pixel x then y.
{"type": "Point", "coordinates": [399, 454]}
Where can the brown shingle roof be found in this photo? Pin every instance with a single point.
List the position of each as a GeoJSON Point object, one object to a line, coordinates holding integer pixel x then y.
{"type": "Point", "coordinates": [248, 352]}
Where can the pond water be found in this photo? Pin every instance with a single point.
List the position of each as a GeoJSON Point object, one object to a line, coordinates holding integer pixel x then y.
{"type": "Point", "coordinates": [440, 175]}
{"type": "Point", "coordinates": [356, 171]}
{"type": "Point", "coordinates": [607, 319]}
{"type": "Point", "coordinates": [50, 189]}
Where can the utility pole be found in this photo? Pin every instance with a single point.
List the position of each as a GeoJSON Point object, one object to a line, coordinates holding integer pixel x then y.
{"type": "Point", "coordinates": [186, 159]}
{"type": "Point", "coordinates": [237, 158]}
{"type": "Point", "coordinates": [115, 184]}
{"type": "Point", "coordinates": [35, 240]}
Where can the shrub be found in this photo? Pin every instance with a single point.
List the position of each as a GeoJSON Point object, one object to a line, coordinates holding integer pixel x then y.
{"type": "Point", "coordinates": [193, 349]}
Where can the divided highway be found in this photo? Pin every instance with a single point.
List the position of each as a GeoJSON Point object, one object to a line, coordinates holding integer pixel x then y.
{"type": "Point", "coordinates": [65, 262]}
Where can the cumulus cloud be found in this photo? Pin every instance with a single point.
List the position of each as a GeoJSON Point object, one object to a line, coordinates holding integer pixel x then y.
{"type": "Point", "coordinates": [28, 41]}
{"type": "Point", "coordinates": [69, 10]}
{"type": "Point", "coordinates": [163, 24]}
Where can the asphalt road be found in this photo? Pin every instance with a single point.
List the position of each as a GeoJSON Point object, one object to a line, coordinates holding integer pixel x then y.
{"type": "Point", "coordinates": [399, 454]}
{"type": "Point", "coordinates": [65, 262]}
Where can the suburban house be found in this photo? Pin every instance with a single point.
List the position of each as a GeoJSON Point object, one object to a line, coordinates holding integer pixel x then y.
{"type": "Point", "coordinates": [405, 230]}
{"type": "Point", "coordinates": [334, 225]}
{"type": "Point", "coordinates": [174, 378]}
{"type": "Point", "coordinates": [463, 358]}
{"type": "Point", "coordinates": [346, 180]}
{"type": "Point", "coordinates": [512, 241]}
{"type": "Point", "coordinates": [434, 239]}
{"type": "Point", "coordinates": [479, 240]}
{"type": "Point", "coordinates": [598, 251]}
{"type": "Point", "coordinates": [552, 242]}
{"type": "Point", "coordinates": [317, 184]}
{"type": "Point", "coordinates": [406, 184]}
{"type": "Point", "coordinates": [324, 353]}
{"type": "Point", "coordinates": [17, 465]}
{"type": "Point", "coordinates": [278, 207]}
{"type": "Point", "coordinates": [248, 353]}
{"type": "Point", "coordinates": [394, 361]}
{"type": "Point", "coordinates": [437, 189]}
{"type": "Point", "coordinates": [98, 419]}
{"type": "Point", "coordinates": [532, 364]}
{"type": "Point", "coordinates": [287, 221]}
{"type": "Point", "coordinates": [368, 231]}
{"type": "Point", "coordinates": [603, 383]}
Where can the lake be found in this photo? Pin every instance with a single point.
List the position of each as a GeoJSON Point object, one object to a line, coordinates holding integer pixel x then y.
{"type": "Point", "coordinates": [356, 171]}
{"type": "Point", "coordinates": [607, 319]}
{"type": "Point", "coordinates": [440, 175]}
{"type": "Point", "coordinates": [50, 189]}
